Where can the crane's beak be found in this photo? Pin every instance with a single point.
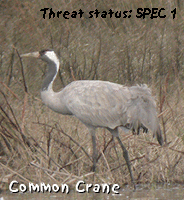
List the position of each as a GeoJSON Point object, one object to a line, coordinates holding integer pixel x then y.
{"type": "Point", "coordinates": [33, 54]}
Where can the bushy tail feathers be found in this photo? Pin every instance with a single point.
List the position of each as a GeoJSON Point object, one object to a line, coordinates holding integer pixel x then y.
{"type": "Point", "coordinates": [141, 110]}
{"type": "Point", "coordinates": [152, 123]}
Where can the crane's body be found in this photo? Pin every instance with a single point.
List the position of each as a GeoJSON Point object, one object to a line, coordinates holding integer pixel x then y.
{"type": "Point", "coordinates": [104, 104]}
{"type": "Point", "coordinates": [100, 104]}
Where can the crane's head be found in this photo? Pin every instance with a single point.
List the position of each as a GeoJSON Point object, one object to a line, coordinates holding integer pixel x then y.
{"type": "Point", "coordinates": [46, 55]}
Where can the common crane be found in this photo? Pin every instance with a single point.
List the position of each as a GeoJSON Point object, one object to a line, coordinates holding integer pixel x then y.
{"type": "Point", "coordinates": [100, 104]}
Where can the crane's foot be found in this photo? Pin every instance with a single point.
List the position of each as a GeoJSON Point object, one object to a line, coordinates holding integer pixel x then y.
{"type": "Point", "coordinates": [134, 186]}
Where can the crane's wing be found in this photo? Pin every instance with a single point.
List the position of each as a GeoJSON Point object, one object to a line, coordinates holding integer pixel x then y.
{"type": "Point", "coordinates": [97, 103]}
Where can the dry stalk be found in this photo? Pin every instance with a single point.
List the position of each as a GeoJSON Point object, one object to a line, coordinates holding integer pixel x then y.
{"type": "Point", "coordinates": [9, 90]}
{"type": "Point", "coordinates": [78, 178]}
{"type": "Point", "coordinates": [11, 170]}
{"type": "Point", "coordinates": [109, 169]}
{"type": "Point", "coordinates": [61, 131]}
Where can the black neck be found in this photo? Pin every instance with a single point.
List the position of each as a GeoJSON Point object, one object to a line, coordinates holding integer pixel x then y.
{"type": "Point", "coordinates": [50, 76]}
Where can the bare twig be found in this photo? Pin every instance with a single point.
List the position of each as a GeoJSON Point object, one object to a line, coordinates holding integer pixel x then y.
{"type": "Point", "coordinates": [22, 70]}
{"type": "Point", "coordinates": [6, 167]}
{"type": "Point", "coordinates": [9, 89]}
{"type": "Point", "coordinates": [61, 131]}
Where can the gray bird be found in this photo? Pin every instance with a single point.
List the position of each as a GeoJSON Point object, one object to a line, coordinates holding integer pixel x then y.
{"type": "Point", "coordinates": [101, 104]}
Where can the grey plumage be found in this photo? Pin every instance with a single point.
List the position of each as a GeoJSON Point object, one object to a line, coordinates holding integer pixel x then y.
{"type": "Point", "coordinates": [101, 104]}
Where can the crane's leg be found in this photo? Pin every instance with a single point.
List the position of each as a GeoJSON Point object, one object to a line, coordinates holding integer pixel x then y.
{"type": "Point", "coordinates": [116, 151]}
{"type": "Point", "coordinates": [126, 157]}
{"type": "Point", "coordinates": [115, 133]}
{"type": "Point", "coordinates": [92, 132]}
{"type": "Point", "coordinates": [94, 153]}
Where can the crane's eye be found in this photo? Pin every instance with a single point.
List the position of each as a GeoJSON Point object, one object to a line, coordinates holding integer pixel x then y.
{"type": "Point", "coordinates": [42, 52]}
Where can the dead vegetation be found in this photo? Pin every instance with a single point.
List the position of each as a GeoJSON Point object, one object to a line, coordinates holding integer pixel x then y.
{"type": "Point", "coordinates": [38, 145]}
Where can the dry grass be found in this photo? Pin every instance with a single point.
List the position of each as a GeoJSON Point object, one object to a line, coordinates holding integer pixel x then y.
{"type": "Point", "coordinates": [38, 145]}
